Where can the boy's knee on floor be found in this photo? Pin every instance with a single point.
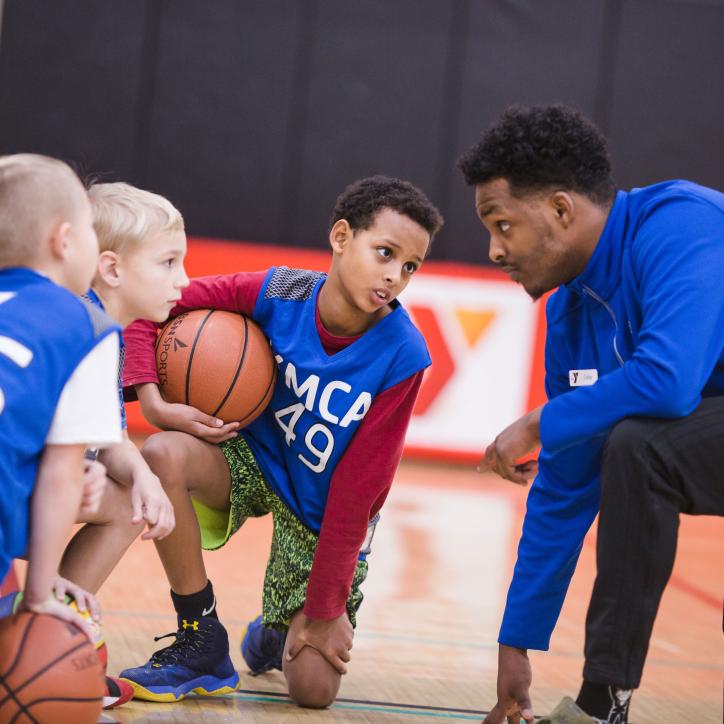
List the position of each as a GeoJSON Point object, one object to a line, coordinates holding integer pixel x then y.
{"type": "Point", "coordinates": [311, 679]}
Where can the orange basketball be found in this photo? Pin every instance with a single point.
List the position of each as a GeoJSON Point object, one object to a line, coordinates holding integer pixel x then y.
{"type": "Point", "coordinates": [49, 672]}
{"type": "Point", "coordinates": [218, 362]}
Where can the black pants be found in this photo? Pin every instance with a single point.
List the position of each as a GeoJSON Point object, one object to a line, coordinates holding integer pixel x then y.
{"type": "Point", "coordinates": [652, 470]}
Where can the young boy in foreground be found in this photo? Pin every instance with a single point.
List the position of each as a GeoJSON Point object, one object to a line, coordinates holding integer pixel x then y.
{"type": "Point", "coordinates": [58, 362]}
{"type": "Point", "coordinates": [321, 458]}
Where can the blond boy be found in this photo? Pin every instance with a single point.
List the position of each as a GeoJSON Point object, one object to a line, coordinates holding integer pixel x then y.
{"type": "Point", "coordinates": [139, 275]}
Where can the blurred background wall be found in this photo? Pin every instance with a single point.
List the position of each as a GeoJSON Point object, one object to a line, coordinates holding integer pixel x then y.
{"type": "Point", "coordinates": [252, 115]}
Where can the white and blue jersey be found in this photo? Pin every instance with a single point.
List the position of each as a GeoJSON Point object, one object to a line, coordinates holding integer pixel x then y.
{"type": "Point", "coordinates": [320, 400]}
{"type": "Point", "coordinates": [45, 334]}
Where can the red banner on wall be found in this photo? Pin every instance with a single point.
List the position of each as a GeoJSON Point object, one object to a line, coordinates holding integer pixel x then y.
{"type": "Point", "coordinates": [484, 334]}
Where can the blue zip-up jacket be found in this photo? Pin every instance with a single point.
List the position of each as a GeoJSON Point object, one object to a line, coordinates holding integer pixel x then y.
{"type": "Point", "coordinates": [647, 314]}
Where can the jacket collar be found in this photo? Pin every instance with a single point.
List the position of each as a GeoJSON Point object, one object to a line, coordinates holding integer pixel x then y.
{"type": "Point", "coordinates": [603, 271]}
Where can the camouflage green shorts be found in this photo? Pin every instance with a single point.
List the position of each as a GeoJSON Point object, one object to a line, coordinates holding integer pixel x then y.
{"type": "Point", "coordinates": [293, 544]}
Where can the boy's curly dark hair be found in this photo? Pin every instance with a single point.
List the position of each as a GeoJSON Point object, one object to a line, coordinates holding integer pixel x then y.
{"type": "Point", "coordinates": [362, 199]}
{"type": "Point", "coordinates": [537, 147]}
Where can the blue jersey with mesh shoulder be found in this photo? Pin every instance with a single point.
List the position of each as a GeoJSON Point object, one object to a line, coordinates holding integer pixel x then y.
{"type": "Point", "coordinates": [320, 400]}
{"type": "Point", "coordinates": [45, 332]}
{"type": "Point", "coordinates": [93, 298]}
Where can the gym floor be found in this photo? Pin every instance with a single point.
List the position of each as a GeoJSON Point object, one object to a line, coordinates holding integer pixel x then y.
{"type": "Point", "coordinates": [425, 646]}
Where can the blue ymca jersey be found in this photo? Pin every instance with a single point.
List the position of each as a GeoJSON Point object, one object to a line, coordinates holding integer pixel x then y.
{"type": "Point", "coordinates": [45, 332]}
{"type": "Point", "coordinates": [320, 400]}
{"type": "Point", "coordinates": [640, 332]}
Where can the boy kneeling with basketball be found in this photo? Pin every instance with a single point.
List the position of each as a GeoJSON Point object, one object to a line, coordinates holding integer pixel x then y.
{"type": "Point", "coordinates": [321, 457]}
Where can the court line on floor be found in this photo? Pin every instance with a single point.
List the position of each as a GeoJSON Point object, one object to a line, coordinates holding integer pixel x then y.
{"type": "Point", "coordinates": [451, 643]}
{"type": "Point", "coordinates": [423, 640]}
{"type": "Point", "coordinates": [387, 707]}
{"type": "Point", "coordinates": [694, 591]}
{"type": "Point", "coordinates": [681, 584]}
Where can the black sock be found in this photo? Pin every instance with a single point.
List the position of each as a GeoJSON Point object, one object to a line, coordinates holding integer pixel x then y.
{"type": "Point", "coordinates": [607, 703]}
{"type": "Point", "coordinates": [196, 605]}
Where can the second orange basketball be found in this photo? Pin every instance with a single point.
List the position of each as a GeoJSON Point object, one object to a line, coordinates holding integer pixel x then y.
{"type": "Point", "coordinates": [219, 362]}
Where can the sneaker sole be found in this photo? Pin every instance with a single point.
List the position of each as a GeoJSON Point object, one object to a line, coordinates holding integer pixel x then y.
{"type": "Point", "coordinates": [111, 702]}
{"type": "Point", "coordinates": [176, 693]}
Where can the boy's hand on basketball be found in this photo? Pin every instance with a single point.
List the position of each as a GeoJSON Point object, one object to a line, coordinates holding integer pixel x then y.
{"type": "Point", "coordinates": [94, 484]}
{"type": "Point", "coordinates": [150, 503]}
{"type": "Point", "coordinates": [84, 600]}
{"type": "Point", "coordinates": [175, 416]}
{"type": "Point", "coordinates": [503, 455]}
{"type": "Point", "coordinates": [53, 607]}
{"type": "Point", "coordinates": [514, 680]}
{"type": "Point", "coordinates": [332, 639]}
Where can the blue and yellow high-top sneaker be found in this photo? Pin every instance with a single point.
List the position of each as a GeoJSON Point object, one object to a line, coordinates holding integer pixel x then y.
{"type": "Point", "coordinates": [197, 662]}
{"type": "Point", "coordinates": [262, 647]}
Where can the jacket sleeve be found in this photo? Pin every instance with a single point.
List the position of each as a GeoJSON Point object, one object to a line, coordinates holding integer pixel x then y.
{"type": "Point", "coordinates": [561, 505]}
{"type": "Point", "coordinates": [557, 518]}
{"type": "Point", "coordinates": [678, 258]}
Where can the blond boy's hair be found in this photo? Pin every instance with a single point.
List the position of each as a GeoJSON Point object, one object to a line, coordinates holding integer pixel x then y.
{"type": "Point", "coordinates": [123, 215]}
{"type": "Point", "coordinates": [36, 193]}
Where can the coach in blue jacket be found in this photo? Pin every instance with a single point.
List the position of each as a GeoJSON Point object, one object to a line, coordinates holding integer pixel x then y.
{"type": "Point", "coordinates": [634, 423]}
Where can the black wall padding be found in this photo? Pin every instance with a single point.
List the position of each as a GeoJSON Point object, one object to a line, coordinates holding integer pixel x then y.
{"type": "Point", "coordinates": [252, 116]}
{"type": "Point", "coordinates": [70, 80]}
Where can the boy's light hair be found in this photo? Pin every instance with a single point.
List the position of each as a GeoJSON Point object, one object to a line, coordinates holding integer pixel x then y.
{"type": "Point", "coordinates": [36, 193]}
{"type": "Point", "coordinates": [123, 215]}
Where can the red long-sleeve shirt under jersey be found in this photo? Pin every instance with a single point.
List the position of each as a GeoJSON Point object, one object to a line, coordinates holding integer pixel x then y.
{"type": "Point", "coordinates": [363, 476]}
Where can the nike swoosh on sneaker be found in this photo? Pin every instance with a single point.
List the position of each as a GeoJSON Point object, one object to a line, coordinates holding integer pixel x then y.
{"type": "Point", "coordinates": [206, 612]}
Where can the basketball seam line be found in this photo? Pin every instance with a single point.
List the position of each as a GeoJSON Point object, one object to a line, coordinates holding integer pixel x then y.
{"type": "Point", "coordinates": [64, 698]}
{"type": "Point", "coordinates": [26, 633]}
{"type": "Point", "coordinates": [238, 369]}
{"type": "Point", "coordinates": [11, 692]}
{"type": "Point", "coordinates": [11, 697]}
{"type": "Point", "coordinates": [50, 664]}
{"type": "Point", "coordinates": [23, 710]}
{"type": "Point", "coordinates": [266, 392]}
{"type": "Point", "coordinates": [191, 354]}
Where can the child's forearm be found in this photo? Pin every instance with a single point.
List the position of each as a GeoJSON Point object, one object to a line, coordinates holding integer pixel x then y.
{"type": "Point", "coordinates": [54, 508]}
{"type": "Point", "coordinates": [151, 401]}
{"type": "Point", "coordinates": [123, 461]}
{"type": "Point", "coordinates": [177, 416]}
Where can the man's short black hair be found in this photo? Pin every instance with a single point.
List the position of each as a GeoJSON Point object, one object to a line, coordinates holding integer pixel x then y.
{"type": "Point", "coordinates": [362, 199]}
{"type": "Point", "coordinates": [539, 147]}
